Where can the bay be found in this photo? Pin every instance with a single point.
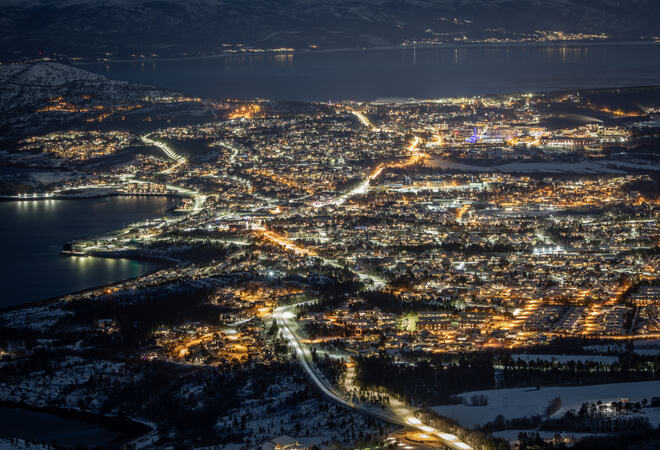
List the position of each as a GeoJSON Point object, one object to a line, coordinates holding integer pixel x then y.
{"type": "Point", "coordinates": [48, 428]}
{"type": "Point", "coordinates": [32, 234]}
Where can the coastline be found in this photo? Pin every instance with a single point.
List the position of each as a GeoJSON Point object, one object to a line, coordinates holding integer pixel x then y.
{"type": "Point", "coordinates": [13, 198]}
{"type": "Point", "coordinates": [164, 263]}
{"type": "Point", "coordinates": [448, 46]}
{"type": "Point", "coordinates": [129, 428]}
{"type": "Point", "coordinates": [127, 431]}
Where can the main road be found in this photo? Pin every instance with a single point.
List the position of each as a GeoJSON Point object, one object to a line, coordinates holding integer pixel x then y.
{"type": "Point", "coordinates": [399, 414]}
{"type": "Point", "coordinates": [415, 157]}
{"type": "Point", "coordinates": [169, 151]}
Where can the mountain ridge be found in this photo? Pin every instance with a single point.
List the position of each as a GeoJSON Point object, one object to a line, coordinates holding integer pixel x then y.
{"type": "Point", "coordinates": [92, 28]}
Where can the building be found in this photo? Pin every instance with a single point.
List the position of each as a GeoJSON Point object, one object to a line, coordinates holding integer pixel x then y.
{"type": "Point", "coordinates": [282, 443]}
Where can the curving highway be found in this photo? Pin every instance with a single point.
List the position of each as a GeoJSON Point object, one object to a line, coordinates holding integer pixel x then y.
{"type": "Point", "coordinates": [364, 120]}
{"type": "Point", "coordinates": [363, 187]}
{"type": "Point", "coordinates": [169, 152]}
{"type": "Point", "coordinates": [398, 414]}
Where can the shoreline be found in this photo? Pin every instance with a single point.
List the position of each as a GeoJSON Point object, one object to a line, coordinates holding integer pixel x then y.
{"type": "Point", "coordinates": [52, 300]}
{"type": "Point", "coordinates": [162, 263]}
{"type": "Point", "coordinates": [11, 198]}
{"type": "Point", "coordinates": [448, 46]}
{"type": "Point", "coordinates": [129, 429]}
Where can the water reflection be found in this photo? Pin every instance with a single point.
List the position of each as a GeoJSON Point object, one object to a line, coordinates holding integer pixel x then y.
{"type": "Point", "coordinates": [407, 72]}
{"type": "Point", "coordinates": [566, 54]}
{"type": "Point", "coordinates": [32, 234]}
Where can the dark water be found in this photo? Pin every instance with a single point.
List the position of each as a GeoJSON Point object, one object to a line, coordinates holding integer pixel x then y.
{"type": "Point", "coordinates": [32, 234]}
{"type": "Point", "coordinates": [420, 73]}
{"type": "Point", "coordinates": [44, 427]}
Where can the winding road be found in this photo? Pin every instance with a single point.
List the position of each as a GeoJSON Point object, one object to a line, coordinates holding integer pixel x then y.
{"type": "Point", "coordinates": [179, 159]}
{"type": "Point", "coordinates": [398, 413]}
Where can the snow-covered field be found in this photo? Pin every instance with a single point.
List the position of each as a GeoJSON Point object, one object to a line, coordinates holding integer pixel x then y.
{"type": "Point", "coordinates": [565, 358]}
{"type": "Point", "coordinates": [586, 166]}
{"type": "Point", "coordinates": [12, 444]}
{"type": "Point", "coordinates": [522, 402]}
{"type": "Point", "coordinates": [647, 351]}
{"type": "Point", "coordinates": [64, 386]}
{"type": "Point", "coordinates": [311, 422]}
{"type": "Point", "coordinates": [512, 435]}
{"type": "Point", "coordinates": [36, 317]}
{"type": "Point", "coordinates": [641, 348]}
{"type": "Point", "coordinates": [647, 348]}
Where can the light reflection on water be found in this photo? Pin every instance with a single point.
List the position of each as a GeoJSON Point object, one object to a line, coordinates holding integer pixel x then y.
{"type": "Point", "coordinates": [407, 72]}
{"type": "Point", "coordinates": [32, 234]}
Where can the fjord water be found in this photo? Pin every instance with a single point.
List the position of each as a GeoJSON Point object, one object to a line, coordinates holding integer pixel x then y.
{"type": "Point", "coordinates": [42, 427]}
{"type": "Point", "coordinates": [32, 234]}
{"type": "Point", "coordinates": [421, 73]}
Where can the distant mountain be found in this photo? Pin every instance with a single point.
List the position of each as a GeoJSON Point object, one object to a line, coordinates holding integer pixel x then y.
{"type": "Point", "coordinates": [174, 27]}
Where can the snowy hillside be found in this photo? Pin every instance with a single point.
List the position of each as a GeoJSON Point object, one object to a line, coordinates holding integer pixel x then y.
{"type": "Point", "coordinates": [29, 85]}
{"type": "Point", "coordinates": [36, 96]}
